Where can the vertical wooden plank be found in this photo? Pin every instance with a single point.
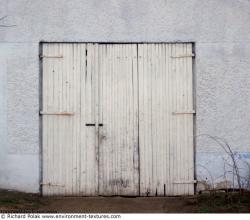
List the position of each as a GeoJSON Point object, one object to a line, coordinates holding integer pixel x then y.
{"type": "Point", "coordinates": [167, 85]}
{"type": "Point", "coordinates": [107, 91]}
{"type": "Point", "coordinates": [86, 136]}
{"type": "Point", "coordinates": [174, 143]}
{"type": "Point", "coordinates": [171, 119]}
{"type": "Point", "coordinates": [190, 121]}
{"type": "Point", "coordinates": [67, 154]}
{"type": "Point", "coordinates": [153, 132]}
{"type": "Point", "coordinates": [100, 64]}
{"type": "Point", "coordinates": [185, 139]}
{"type": "Point", "coordinates": [116, 106]}
{"type": "Point", "coordinates": [65, 120]}
{"type": "Point", "coordinates": [183, 122]}
{"type": "Point", "coordinates": [89, 183]}
{"type": "Point", "coordinates": [73, 145]}
{"type": "Point", "coordinates": [56, 121]}
{"type": "Point", "coordinates": [51, 107]}
{"type": "Point", "coordinates": [135, 119]}
{"type": "Point", "coordinates": [77, 118]}
{"type": "Point", "coordinates": [69, 140]}
{"type": "Point", "coordinates": [178, 121]}
{"type": "Point", "coordinates": [182, 126]}
{"type": "Point", "coordinates": [163, 99]}
{"type": "Point", "coordinates": [96, 110]}
{"type": "Point", "coordinates": [142, 131]}
{"type": "Point", "coordinates": [69, 120]}
{"type": "Point", "coordinates": [45, 122]}
{"type": "Point", "coordinates": [58, 131]}
{"type": "Point", "coordinates": [144, 166]}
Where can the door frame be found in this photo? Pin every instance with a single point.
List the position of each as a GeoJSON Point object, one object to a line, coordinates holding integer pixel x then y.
{"type": "Point", "coordinates": [40, 95]}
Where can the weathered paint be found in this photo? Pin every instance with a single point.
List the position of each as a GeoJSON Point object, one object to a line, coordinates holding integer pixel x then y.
{"type": "Point", "coordinates": [61, 133]}
{"type": "Point", "coordinates": [134, 92]}
{"type": "Point", "coordinates": [118, 111]}
{"type": "Point", "coordinates": [166, 139]}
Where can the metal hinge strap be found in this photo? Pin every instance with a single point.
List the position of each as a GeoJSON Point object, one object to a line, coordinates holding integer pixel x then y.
{"type": "Point", "coordinates": [57, 113]}
{"type": "Point", "coordinates": [185, 182]}
{"type": "Point", "coordinates": [184, 55]}
{"type": "Point", "coordinates": [52, 184]}
{"type": "Point", "coordinates": [184, 112]}
{"type": "Point", "coordinates": [50, 56]}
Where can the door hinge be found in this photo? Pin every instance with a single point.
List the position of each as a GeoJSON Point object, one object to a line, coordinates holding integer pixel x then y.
{"type": "Point", "coordinates": [57, 113]}
{"type": "Point", "coordinates": [184, 55]}
{"type": "Point", "coordinates": [185, 182]}
{"type": "Point", "coordinates": [50, 56]}
{"type": "Point", "coordinates": [52, 184]}
{"type": "Point", "coordinates": [183, 112]}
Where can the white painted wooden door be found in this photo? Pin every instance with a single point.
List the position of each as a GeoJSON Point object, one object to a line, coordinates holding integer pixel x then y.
{"type": "Point", "coordinates": [165, 119]}
{"type": "Point", "coordinates": [117, 119]}
{"type": "Point", "coordinates": [69, 148]}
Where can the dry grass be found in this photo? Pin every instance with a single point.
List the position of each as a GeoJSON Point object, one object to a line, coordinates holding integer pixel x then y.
{"type": "Point", "coordinates": [215, 202]}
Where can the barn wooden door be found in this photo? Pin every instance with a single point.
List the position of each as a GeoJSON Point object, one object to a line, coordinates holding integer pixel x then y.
{"type": "Point", "coordinates": [117, 119]}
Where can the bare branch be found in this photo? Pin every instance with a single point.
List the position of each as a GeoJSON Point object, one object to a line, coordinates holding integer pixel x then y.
{"type": "Point", "coordinates": [7, 25]}
{"type": "Point", "coordinates": [3, 25]}
{"type": "Point", "coordinates": [3, 17]}
{"type": "Point", "coordinates": [226, 147]}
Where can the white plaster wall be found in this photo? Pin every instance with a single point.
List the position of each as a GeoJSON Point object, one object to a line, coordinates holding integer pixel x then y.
{"type": "Point", "coordinates": [220, 29]}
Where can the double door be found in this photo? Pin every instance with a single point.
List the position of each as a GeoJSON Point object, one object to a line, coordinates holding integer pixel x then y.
{"type": "Point", "coordinates": [117, 119]}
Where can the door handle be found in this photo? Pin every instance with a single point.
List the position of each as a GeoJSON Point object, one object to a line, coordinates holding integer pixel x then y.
{"type": "Point", "coordinates": [90, 124]}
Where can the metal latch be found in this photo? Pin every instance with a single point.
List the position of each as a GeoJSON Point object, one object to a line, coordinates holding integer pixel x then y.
{"type": "Point", "coordinates": [90, 124]}
{"type": "Point", "coordinates": [57, 113]}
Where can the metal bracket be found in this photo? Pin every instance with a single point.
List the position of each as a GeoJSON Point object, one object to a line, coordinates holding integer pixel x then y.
{"type": "Point", "coordinates": [184, 112]}
{"type": "Point", "coordinates": [52, 184]}
{"type": "Point", "coordinates": [48, 56]}
{"type": "Point", "coordinates": [57, 113]}
{"type": "Point", "coordinates": [91, 124]}
{"type": "Point", "coordinates": [184, 55]}
{"type": "Point", "coordinates": [185, 182]}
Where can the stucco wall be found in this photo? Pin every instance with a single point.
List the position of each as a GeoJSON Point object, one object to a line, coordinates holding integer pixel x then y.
{"type": "Point", "coordinates": [219, 28]}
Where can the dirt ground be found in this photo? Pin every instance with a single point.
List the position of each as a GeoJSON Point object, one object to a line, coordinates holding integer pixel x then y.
{"type": "Point", "coordinates": [217, 203]}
